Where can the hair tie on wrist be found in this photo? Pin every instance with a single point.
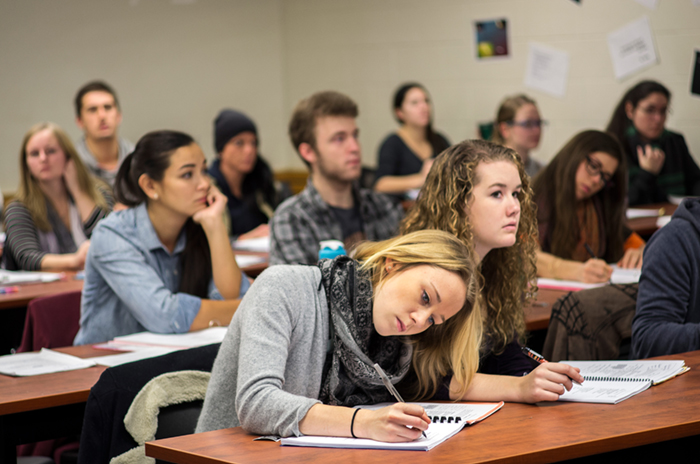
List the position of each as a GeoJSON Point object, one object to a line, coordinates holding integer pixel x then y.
{"type": "Point", "coordinates": [352, 423]}
{"type": "Point", "coordinates": [214, 323]}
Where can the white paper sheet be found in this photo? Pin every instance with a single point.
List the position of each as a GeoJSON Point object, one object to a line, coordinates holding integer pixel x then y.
{"type": "Point", "coordinates": [619, 276]}
{"type": "Point", "coordinates": [21, 277]}
{"type": "Point", "coordinates": [42, 362]}
{"type": "Point", "coordinates": [547, 70]}
{"type": "Point", "coordinates": [632, 48]}
{"type": "Point", "coordinates": [634, 213]}
{"type": "Point", "coordinates": [123, 358]}
{"type": "Point", "coordinates": [185, 340]}
{"type": "Point", "coordinates": [248, 260]}
{"type": "Point", "coordinates": [253, 244]}
{"type": "Point", "coordinates": [648, 3]}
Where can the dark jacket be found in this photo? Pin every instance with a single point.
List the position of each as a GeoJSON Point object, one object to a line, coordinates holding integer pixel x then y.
{"type": "Point", "coordinates": [679, 175]}
{"type": "Point", "coordinates": [668, 307]}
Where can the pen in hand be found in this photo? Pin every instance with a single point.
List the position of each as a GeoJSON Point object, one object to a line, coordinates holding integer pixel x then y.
{"type": "Point", "coordinates": [389, 386]}
{"type": "Point", "coordinates": [590, 252]}
{"type": "Point", "coordinates": [532, 354]}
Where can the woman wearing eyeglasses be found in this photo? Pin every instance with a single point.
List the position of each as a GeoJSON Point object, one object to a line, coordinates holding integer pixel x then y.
{"type": "Point", "coordinates": [580, 198]}
{"type": "Point", "coordinates": [658, 159]}
{"type": "Point", "coordinates": [518, 126]}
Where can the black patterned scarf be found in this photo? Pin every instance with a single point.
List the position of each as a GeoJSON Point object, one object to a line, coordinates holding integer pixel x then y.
{"type": "Point", "coordinates": [349, 376]}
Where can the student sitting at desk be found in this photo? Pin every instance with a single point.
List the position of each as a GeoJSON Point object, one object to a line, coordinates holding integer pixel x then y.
{"type": "Point", "coordinates": [406, 156]}
{"type": "Point", "coordinates": [58, 204]}
{"type": "Point", "coordinates": [405, 300]}
{"type": "Point", "coordinates": [580, 200]}
{"type": "Point", "coordinates": [242, 175]}
{"type": "Point", "coordinates": [658, 159]}
{"type": "Point", "coordinates": [667, 320]}
{"type": "Point", "coordinates": [479, 192]}
{"type": "Point", "coordinates": [160, 265]}
{"type": "Point", "coordinates": [518, 126]}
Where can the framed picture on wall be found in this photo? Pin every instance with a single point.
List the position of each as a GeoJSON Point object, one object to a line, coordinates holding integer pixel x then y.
{"type": "Point", "coordinates": [491, 38]}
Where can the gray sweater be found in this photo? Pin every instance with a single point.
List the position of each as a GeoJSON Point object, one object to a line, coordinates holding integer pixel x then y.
{"type": "Point", "coordinates": [267, 380]}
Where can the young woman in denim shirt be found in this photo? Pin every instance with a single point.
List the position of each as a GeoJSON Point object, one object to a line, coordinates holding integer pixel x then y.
{"type": "Point", "coordinates": [161, 265]}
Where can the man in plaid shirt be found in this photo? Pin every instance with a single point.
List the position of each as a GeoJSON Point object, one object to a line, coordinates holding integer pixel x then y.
{"type": "Point", "coordinates": [331, 207]}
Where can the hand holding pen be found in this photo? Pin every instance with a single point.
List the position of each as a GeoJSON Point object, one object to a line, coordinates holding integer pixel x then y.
{"type": "Point", "coordinates": [394, 392]}
{"type": "Point", "coordinates": [595, 270]}
{"type": "Point", "coordinates": [549, 380]}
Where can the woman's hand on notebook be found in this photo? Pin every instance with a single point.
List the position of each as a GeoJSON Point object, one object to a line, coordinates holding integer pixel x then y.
{"type": "Point", "coordinates": [548, 381]}
{"type": "Point", "coordinates": [632, 258]}
{"type": "Point", "coordinates": [399, 422]}
{"type": "Point", "coordinates": [595, 271]}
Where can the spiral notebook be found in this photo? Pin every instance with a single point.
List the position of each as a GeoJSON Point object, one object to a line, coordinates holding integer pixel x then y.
{"type": "Point", "coordinates": [447, 419]}
{"type": "Point", "coordinates": [610, 382]}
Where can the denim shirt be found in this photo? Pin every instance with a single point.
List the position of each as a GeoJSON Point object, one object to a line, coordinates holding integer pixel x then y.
{"type": "Point", "coordinates": [131, 281]}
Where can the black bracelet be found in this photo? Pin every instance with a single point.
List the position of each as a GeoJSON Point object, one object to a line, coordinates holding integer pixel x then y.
{"type": "Point", "coordinates": [352, 423]}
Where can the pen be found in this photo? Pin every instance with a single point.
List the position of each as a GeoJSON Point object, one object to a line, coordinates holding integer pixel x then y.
{"type": "Point", "coordinates": [4, 290]}
{"type": "Point", "coordinates": [533, 354]}
{"type": "Point", "coordinates": [590, 252]}
{"type": "Point", "coordinates": [389, 386]}
{"type": "Point", "coordinates": [538, 357]}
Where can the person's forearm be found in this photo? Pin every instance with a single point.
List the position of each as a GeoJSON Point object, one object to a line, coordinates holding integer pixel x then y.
{"type": "Point", "coordinates": [214, 313]}
{"type": "Point", "coordinates": [330, 421]}
{"type": "Point", "coordinates": [66, 262]}
{"type": "Point", "coordinates": [398, 184]}
{"type": "Point", "coordinates": [227, 275]}
{"type": "Point", "coordinates": [553, 267]}
{"type": "Point", "coordinates": [486, 387]}
{"type": "Point", "coordinates": [84, 204]}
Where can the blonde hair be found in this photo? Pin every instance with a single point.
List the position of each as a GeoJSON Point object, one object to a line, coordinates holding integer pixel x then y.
{"type": "Point", "coordinates": [449, 347]}
{"type": "Point", "coordinates": [508, 275]}
{"type": "Point", "coordinates": [29, 192]}
{"type": "Point", "coordinates": [506, 113]}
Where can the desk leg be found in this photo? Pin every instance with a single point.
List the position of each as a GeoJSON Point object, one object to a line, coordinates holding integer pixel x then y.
{"type": "Point", "coordinates": [8, 448]}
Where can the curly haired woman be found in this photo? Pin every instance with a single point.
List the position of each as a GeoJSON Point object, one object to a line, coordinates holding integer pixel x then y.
{"type": "Point", "coordinates": [479, 192]}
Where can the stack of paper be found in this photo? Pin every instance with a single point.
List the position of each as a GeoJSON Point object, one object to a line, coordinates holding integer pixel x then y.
{"type": "Point", "coordinates": [21, 277]}
{"type": "Point", "coordinates": [42, 362]}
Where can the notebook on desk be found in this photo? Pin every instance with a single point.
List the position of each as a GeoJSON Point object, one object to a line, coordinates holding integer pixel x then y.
{"type": "Point", "coordinates": [447, 419]}
{"type": "Point", "coordinates": [610, 382]}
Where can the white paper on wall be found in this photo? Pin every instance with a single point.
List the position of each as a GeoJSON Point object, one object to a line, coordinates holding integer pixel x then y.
{"type": "Point", "coordinates": [649, 3]}
{"type": "Point", "coordinates": [547, 70]}
{"type": "Point", "coordinates": [632, 48]}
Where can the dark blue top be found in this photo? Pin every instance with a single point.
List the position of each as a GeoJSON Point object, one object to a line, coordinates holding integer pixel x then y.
{"type": "Point", "coordinates": [668, 305]}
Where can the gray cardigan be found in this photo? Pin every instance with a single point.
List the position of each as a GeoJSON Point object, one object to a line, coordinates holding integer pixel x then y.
{"type": "Point", "coordinates": [267, 380]}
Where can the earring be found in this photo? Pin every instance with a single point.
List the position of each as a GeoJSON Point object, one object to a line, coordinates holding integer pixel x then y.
{"type": "Point", "coordinates": [155, 196]}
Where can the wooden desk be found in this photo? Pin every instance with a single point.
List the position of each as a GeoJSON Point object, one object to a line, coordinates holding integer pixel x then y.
{"type": "Point", "coordinates": [646, 227]}
{"type": "Point", "coordinates": [520, 433]}
{"type": "Point", "coordinates": [45, 406]}
{"type": "Point", "coordinates": [538, 313]}
{"type": "Point", "coordinates": [28, 292]}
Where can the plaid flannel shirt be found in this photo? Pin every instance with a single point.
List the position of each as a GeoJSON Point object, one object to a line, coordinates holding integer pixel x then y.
{"type": "Point", "coordinates": [301, 222]}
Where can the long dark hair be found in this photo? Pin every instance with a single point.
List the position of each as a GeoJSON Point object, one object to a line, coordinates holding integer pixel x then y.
{"type": "Point", "coordinates": [261, 180]}
{"type": "Point", "coordinates": [151, 156]}
{"type": "Point", "coordinates": [555, 188]}
{"type": "Point", "coordinates": [620, 123]}
{"type": "Point", "coordinates": [437, 142]}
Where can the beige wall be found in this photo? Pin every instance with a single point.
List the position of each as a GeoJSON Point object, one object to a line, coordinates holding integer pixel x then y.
{"type": "Point", "coordinates": [176, 63]}
{"type": "Point", "coordinates": [173, 64]}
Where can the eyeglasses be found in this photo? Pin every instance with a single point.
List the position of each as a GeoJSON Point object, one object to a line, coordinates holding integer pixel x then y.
{"type": "Point", "coordinates": [529, 124]}
{"type": "Point", "coordinates": [652, 110]}
{"type": "Point", "coordinates": [594, 168]}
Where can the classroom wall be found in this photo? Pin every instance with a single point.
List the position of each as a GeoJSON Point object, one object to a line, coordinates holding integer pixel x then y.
{"type": "Point", "coordinates": [176, 63]}
{"type": "Point", "coordinates": [367, 48]}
